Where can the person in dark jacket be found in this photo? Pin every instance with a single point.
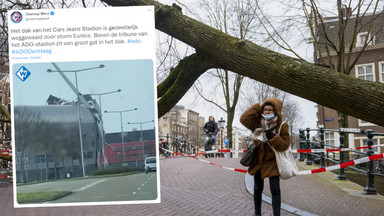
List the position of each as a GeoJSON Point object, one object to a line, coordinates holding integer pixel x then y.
{"type": "Point", "coordinates": [264, 120]}
{"type": "Point", "coordinates": [210, 128]}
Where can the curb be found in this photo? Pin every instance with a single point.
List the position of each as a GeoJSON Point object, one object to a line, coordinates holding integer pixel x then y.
{"type": "Point", "coordinates": [249, 186]}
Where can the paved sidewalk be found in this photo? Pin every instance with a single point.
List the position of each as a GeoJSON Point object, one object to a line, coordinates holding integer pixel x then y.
{"type": "Point", "coordinates": [320, 194]}
{"type": "Point", "coordinates": [188, 187]}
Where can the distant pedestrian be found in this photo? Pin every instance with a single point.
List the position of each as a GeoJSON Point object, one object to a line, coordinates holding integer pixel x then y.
{"type": "Point", "coordinates": [211, 129]}
{"type": "Point", "coordinates": [264, 121]}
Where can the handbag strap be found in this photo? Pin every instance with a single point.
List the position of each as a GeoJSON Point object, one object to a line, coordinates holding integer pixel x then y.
{"type": "Point", "coordinates": [281, 125]}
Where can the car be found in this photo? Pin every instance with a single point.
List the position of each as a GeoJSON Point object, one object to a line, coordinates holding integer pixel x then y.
{"type": "Point", "coordinates": [150, 164]}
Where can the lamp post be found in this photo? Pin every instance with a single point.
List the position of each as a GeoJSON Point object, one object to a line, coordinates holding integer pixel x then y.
{"type": "Point", "coordinates": [102, 124]}
{"type": "Point", "coordinates": [221, 123]}
{"type": "Point", "coordinates": [121, 123]}
{"type": "Point", "coordinates": [141, 134]}
{"type": "Point", "coordinates": [104, 93]}
{"type": "Point", "coordinates": [76, 90]}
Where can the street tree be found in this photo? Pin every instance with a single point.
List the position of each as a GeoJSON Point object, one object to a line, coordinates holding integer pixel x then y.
{"type": "Point", "coordinates": [233, 18]}
{"type": "Point", "coordinates": [215, 49]}
{"type": "Point", "coordinates": [26, 126]}
{"type": "Point", "coordinates": [335, 34]}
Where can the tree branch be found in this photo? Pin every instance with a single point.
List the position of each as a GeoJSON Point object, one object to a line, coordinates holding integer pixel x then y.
{"type": "Point", "coordinates": [5, 112]}
{"type": "Point", "coordinates": [180, 80]}
{"type": "Point", "coordinates": [210, 101]}
{"type": "Point", "coordinates": [318, 84]}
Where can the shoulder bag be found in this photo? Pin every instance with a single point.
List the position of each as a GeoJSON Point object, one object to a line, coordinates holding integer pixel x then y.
{"type": "Point", "coordinates": [285, 161]}
{"type": "Point", "coordinates": [249, 155]}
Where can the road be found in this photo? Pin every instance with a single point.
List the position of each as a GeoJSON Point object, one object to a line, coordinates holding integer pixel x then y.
{"type": "Point", "coordinates": [122, 188]}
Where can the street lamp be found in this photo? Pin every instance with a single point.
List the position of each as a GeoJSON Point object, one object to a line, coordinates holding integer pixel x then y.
{"type": "Point", "coordinates": [221, 123]}
{"type": "Point", "coordinates": [104, 93]}
{"type": "Point", "coordinates": [121, 123]}
{"type": "Point", "coordinates": [76, 90]}
{"type": "Point", "coordinates": [102, 124]}
{"type": "Point", "coordinates": [141, 129]}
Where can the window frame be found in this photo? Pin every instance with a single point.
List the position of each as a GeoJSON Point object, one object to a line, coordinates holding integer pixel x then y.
{"type": "Point", "coordinates": [325, 137]}
{"type": "Point", "coordinates": [366, 64]}
{"type": "Point", "coordinates": [363, 123]}
{"type": "Point", "coordinates": [358, 40]}
{"type": "Point", "coordinates": [381, 71]}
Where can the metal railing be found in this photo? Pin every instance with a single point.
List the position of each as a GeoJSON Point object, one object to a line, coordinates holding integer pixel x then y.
{"type": "Point", "coordinates": [306, 143]}
{"type": "Point", "coordinates": [176, 144]}
{"type": "Point", "coordinates": [5, 165]}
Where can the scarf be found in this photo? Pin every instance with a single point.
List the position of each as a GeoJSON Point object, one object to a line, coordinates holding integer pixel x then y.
{"type": "Point", "coordinates": [259, 133]}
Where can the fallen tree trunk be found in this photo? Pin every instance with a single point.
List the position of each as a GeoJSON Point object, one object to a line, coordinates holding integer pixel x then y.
{"type": "Point", "coordinates": [356, 97]}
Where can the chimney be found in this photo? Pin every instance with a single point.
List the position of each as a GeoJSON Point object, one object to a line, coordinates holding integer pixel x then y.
{"type": "Point", "coordinates": [347, 11]}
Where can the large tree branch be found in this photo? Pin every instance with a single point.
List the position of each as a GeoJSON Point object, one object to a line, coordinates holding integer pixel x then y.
{"type": "Point", "coordinates": [5, 112]}
{"type": "Point", "coordinates": [180, 80]}
{"type": "Point", "coordinates": [356, 97]}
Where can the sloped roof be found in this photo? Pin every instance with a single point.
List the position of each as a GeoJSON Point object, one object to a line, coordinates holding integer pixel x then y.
{"type": "Point", "coordinates": [331, 27]}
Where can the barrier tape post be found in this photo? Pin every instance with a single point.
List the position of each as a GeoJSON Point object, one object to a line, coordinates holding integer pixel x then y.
{"type": "Point", "coordinates": [369, 188]}
{"type": "Point", "coordinates": [341, 175]}
{"type": "Point", "coordinates": [322, 155]}
{"type": "Point", "coordinates": [302, 141]}
{"type": "Point", "coordinates": [308, 146]}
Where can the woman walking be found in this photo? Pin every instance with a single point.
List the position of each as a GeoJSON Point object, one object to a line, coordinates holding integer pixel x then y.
{"type": "Point", "coordinates": [265, 120]}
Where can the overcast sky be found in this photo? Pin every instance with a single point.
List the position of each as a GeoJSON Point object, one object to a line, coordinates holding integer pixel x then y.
{"type": "Point", "coordinates": [134, 78]}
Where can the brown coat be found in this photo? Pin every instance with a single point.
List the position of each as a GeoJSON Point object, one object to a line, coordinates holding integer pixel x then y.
{"type": "Point", "coordinates": [265, 160]}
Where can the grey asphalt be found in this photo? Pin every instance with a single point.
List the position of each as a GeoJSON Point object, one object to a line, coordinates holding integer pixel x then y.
{"type": "Point", "coordinates": [123, 188]}
{"type": "Point", "coordinates": [134, 187]}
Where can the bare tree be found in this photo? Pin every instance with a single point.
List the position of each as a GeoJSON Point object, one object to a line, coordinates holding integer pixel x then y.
{"type": "Point", "coordinates": [334, 32]}
{"type": "Point", "coordinates": [258, 92]}
{"type": "Point", "coordinates": [26, 125]}
{"type": "Point", "coordinates": [230, 17]}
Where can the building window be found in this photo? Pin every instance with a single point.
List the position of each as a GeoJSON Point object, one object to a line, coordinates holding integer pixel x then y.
{"type": "Point", "coordinates": [362, 39]}
{"type": "Point", "coordinates": [375, 149]}
{"type": "Point", "coordinates": [381, 71]}
{"type": "Point", "coordinates": [365, 72]}
{"type": "Point", "coordinates": [88, 155]}
{"type": "Point", "coordinates": [329, 138]}
{"type": "Point", "coordinates": [365, 123]}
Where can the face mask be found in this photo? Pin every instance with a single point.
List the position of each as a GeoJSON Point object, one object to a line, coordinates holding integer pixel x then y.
{"type": "Point", "coordinates": [269, 116]}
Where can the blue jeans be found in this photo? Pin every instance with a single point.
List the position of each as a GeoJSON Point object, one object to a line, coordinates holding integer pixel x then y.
{"type": "Point", "coordinates": [213, 137]}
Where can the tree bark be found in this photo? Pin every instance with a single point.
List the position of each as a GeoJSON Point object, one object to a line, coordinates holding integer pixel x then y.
{"type": "Point", "coordinates": [356, 97]}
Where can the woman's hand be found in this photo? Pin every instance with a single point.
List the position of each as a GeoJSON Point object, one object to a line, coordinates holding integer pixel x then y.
{"type": "Point", "coordinates": [269, 134]}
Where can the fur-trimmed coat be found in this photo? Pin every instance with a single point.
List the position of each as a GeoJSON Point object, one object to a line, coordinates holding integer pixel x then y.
{"type": "Point", "coordinates": [265, 160]}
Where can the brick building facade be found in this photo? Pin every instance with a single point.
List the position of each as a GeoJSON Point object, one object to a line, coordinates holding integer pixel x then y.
{"type": "Point", "coordinates": [369, 66]}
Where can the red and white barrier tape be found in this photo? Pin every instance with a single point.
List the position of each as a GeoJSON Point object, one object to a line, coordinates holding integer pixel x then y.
{"type": "Point", "coordinates": [343, 165]}
{"type": "Point", "coordinates": [205, 161]}
{"type": "Point", "coordinates": [293, 150]}
{"type": "Point", "coordinates": [305, 172]}
{"type": "Point", "coordinates": [333, 150]}
{"type": "Point", "coordinates": [5, 176]}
